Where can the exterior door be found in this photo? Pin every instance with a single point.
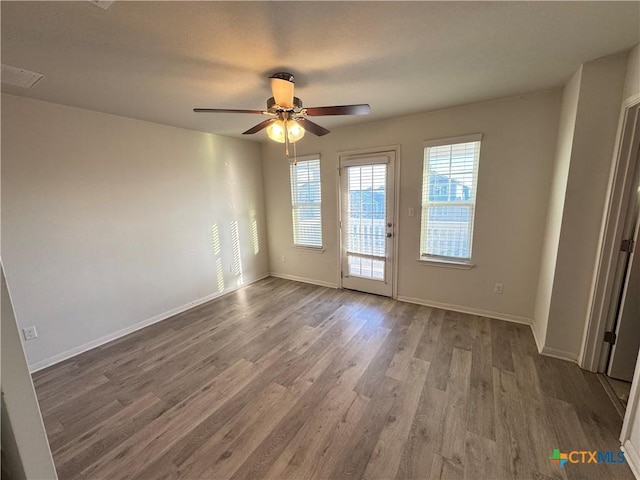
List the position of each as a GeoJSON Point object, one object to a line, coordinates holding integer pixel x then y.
{"type": "Point", "coordinates": [367, 223]}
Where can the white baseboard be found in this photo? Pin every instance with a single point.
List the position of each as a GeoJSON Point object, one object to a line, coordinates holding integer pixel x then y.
{"type": "Point", "coordinates": [472, 311]}
{"type": "Point", "coordinates": [560, 354]}
{"type": "Point", "coordinates": [552, 352]}
{"type": "Point", "coordinates": [47, 362]}
{"type": "Point", "coordinates": [549, 352]}
{"type": "Point", "coordinates": [632, 456]}
{"type": "Point", "coordinates": [304, 280]}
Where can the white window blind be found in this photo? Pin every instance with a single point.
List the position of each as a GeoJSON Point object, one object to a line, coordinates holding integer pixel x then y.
{"type": "Point", "coordinates": [306, 202]}
{"type": "Point", "coordinates": [448, 197]}
{"type": "Point", "coordinates": [366, 204]}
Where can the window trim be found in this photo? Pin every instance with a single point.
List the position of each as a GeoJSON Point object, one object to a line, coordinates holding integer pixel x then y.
{"type": "Point", "coordinates": [438, 261]}
{"type": "Point", "coordinates": [309, 248]}
{"type": "Point", "coordinates": [442, 260]}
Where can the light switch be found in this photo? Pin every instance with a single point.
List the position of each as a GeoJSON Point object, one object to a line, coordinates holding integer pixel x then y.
{"type": "Point", "coordinates": [412, 211]}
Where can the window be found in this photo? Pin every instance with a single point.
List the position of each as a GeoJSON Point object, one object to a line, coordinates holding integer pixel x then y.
{"type": "Point", "coordinates": [305, 202]}
{"type": "Point", "coordinates": [449, 181]}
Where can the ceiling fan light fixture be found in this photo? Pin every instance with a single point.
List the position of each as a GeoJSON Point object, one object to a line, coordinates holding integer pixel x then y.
{"type": "Point", "coordinates": [276, 131]}
{"type": "Point", "coordinates": [295, 131]}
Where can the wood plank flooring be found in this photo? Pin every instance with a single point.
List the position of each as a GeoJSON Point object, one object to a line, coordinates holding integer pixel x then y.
{"type": "Point", "coordinates": [283, 380]}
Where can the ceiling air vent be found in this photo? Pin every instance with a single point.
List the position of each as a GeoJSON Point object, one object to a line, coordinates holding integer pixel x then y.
{"type": "Point", "coordinates": [19, 77]}
{"type": "Point", "coordinates": [103, 4]}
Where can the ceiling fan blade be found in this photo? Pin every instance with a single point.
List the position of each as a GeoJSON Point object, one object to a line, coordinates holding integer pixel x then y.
{"type": "Point", "coordinates": [361, 109]}
{"type": "Point", "coordinates": [282, 92]}
{"type": "Point", "coordinates": [259, 126]}
{"type": "Point", "coordinates": [314, 128]}
{"type": "Point", "coordinates": [226, 110]}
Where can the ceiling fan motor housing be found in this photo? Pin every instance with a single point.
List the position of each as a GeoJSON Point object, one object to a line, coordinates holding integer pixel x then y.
{"type": "Point", "coordinates": [283, 76]}
{"type": "Point", "coordinates": [271, 104]}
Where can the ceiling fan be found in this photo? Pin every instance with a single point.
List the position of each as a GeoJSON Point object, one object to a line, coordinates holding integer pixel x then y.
{"type": "Point", "coordinates": [289, 121]}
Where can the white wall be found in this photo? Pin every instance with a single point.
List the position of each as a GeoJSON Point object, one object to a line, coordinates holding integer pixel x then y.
{"type": "Point", "coordinates": [107, 221]}
{"type": "Point", "coordinates": [632, 80]}
{"type": "Point", "coordinates": [633, 443]}
{"type": "Point", "coordinates": [515, 169]}
{"type": "Point", "coordinates": [599, 96]}
{"type": "Point", "coordinates": [560, 173]}
{"type": "Point", "coordinates": [630, 435]}
{"type": "Point", "coordinates": [30, 456]}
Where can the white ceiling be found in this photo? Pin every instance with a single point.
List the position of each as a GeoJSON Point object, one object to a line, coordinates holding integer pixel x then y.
{"type": "Point", "coordinates": [157, 60]}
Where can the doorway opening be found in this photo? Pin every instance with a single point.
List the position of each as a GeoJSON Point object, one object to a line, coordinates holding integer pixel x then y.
{"type": "Point", "coordinates": [612, 340]}
{"type": "Point", "coordinates": [623, 337]}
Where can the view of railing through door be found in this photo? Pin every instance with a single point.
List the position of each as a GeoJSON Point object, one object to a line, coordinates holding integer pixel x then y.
{"type": "Point", "coordinates": [367, 222]}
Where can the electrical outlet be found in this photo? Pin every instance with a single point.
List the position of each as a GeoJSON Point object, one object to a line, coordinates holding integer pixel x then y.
{"type": "Point", "coordinates": [29, 333]}
{"type": "Point", "coordinates": [498, 288]}
{"type": "Point", "coordinates": [284, 259]}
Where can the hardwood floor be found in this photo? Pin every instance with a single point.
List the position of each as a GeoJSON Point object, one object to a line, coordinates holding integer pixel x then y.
{"type": "Point", "coordinates": [283, 380]}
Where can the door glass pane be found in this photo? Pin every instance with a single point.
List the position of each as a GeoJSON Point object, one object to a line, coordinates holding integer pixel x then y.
{"type": "Point", "coordinates": [366, 217]}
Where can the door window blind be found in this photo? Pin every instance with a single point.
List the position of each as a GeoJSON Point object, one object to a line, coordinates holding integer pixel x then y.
{"type": "Point", "coordinates": [306, 203]}
{"type": "Point", "coordinates": [365, 220]}
{"type": "Point", "coordinates": [448, 197]}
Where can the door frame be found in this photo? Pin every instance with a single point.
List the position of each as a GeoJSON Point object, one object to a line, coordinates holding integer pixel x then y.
{"type": "Point", "coordinates": [396, 208]}
{"type": "Point", "coordinates": [593, 355]}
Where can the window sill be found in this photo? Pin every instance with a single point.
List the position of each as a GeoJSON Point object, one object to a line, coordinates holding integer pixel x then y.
{"type": "Point", "coordinates": [448, 263]}
{"type": "Point", "coordinates": [317, 250]}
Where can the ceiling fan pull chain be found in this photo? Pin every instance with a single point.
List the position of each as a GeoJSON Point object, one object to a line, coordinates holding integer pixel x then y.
{"type": "Point", "coordinates": [295, 155]}
{"type": "Point", "coordinates": [286, 139]}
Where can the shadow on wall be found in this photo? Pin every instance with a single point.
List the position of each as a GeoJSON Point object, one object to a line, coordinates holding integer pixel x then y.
{"type": "Point", "coordinates": [237, 257]}
{"type": "Point", "coordinates": [11, 463]}
{"type": "Point", "coordinates": [254, 233]}
{"type": "Point", "coordinates": [215, 244]}
{"type": "Point", "coordinates": [236, 266]}
{"type": "Point", "coordinates": [244, 228]}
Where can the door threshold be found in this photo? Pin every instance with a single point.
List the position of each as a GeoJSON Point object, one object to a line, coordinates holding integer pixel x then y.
{"type": "Point", "coordinates": [381, 295]}
{"type": "Point", "coordinates": [615, 395]}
